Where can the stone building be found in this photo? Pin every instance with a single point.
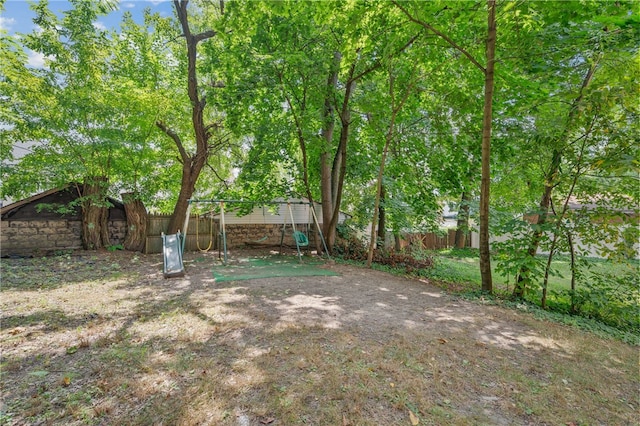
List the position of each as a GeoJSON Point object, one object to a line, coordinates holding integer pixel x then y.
{"type": "Point", "coordinates": [51, 222]}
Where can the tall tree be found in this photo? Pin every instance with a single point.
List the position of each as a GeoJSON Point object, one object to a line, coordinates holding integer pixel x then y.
{"type": "Point", "coordinates": [397, 98]}
{"type": "Point", "coordinates": [488, 72]}
{"type": "Point", "coordinates": [572, 71]}
{"type": "Point", "coordinates": [64, 110]}
{"type": "Point", "coordinates": [317, 69]}
{"type": "Point", "coordinates": [88, 111]}
{"type": "Point", "coordinates": [192, 162]}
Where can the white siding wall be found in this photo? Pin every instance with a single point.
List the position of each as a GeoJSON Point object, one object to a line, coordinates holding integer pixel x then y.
{"type": "Point", "coordinates": [277, 214]}
{"type": "Point", "coordinates": [580, 246]}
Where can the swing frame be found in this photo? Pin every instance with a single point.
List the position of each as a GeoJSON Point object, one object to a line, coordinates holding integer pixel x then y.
{"type": "Point", "coordinates": [223, 233]}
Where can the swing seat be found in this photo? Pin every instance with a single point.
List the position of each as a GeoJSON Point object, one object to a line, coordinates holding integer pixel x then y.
{"type": "Point", "coordinates": [301, 239]}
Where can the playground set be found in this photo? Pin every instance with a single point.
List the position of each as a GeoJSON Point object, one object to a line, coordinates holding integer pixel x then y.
{"type": "Point", "coordinates": [173, 244]}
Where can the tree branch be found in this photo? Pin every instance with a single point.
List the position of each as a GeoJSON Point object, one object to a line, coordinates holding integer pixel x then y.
{"type": "Point", "coordinates": [224, 182]}
{"type": "Point", "coordinates": [379, 63]}
{"type": "Point", "coordinates": [176, 139]}
{"type": "Point", "coordinates": [203, 36]}
{"type": "Point", "coordinates": [441, 35]}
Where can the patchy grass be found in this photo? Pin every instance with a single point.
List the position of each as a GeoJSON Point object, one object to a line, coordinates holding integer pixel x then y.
{"type": "Point", "coordinates": [364, 348]}
{"type": "Point", "coordinates": [458, 271]}
{"type": "Point", "coordinates": [55, 271]}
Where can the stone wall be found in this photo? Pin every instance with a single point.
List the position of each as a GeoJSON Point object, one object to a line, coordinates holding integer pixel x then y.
{"type": "Point", "coordinates": [241, 235]}
{"type": "Point", "coordinates": [246, 235]}
{"type": "Point", "coordinates": [41, 237]}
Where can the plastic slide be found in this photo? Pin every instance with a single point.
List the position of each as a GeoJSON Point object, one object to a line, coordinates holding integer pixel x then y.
{"type": "Point", "coordinates": [172, 251]}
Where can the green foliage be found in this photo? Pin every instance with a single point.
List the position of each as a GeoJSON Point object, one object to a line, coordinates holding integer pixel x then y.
{"type": "Point", "coordinates": [512, 253]}
{"type": "Point", "coordinates": [591, 325]}
{"type": "Point", "coordinates": [607, 291]}
{"type": "Point", "coordinates": [566, 78]}
{"type": "Point", "coordinates": [610, 297]}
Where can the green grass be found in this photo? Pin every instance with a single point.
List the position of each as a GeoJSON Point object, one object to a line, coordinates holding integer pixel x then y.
{"type": "Point", "coordinates": [461, 270]}
{"type": "Point", "coordinates": [464, 266]}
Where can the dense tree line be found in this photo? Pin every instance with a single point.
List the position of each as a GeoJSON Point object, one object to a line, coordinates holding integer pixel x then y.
{"type": "Point", "coordinates": [383, 109]}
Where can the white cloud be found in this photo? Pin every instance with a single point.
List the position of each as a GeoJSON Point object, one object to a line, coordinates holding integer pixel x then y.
{"type": "Point", "coordinates": [6, 23]}
{"type": "Point", "coordinates": [99, 26]}
{"type": "Point", "coordinates": [128, 5]}
{"type": "Point", "coordinates": [156, 2]}
{"type": "Point", "coordinates": [35, 59]}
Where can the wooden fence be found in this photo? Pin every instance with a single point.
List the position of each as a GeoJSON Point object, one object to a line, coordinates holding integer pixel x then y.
{"type": "Point", "coordinates": [206, 230]}
{"type": "Point", "coordinates": [431, 241]}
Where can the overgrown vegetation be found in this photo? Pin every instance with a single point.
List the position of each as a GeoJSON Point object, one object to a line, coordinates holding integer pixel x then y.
{"type": "Point", "coordinates": [607, 293]}
{"type": "Point", "coordinates": [351, 248]}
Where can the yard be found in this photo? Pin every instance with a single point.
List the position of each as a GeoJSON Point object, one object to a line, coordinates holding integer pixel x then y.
{"type": "Point", "coordinates": [102, 338]}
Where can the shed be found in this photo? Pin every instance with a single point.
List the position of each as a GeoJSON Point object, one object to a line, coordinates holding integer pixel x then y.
{"type": "Point", "coordinates": [49, 221]}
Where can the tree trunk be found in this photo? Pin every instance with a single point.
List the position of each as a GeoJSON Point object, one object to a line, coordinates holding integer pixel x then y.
{"type": "Point", "coordinates": [395, 109]}
{"type": "Point", "coordinates": [94, 213]}
{"type": "Point", "coordinates": [326, 191]}
{"type": "Point", "coordinates": [136, 235]}
{"type": "Point", "coordinates": [383, 160]}
{"type": "Point", "coordinates": [550, 182]}
{"type": "Point", "coordinates": [543, 214]}
{"type": "Point", "coordinates": [462, 227]}
{"type": "Point", "coordinates": [572, 252]}
{"type": "Point", "coordinates": [104, 227]}
{"type": "Point", "coordinates": [485, 255]}
{"type": "Point", "coordinates": [382, 219]}
{"type": "Point", "coordinates": [332, 177]}
{"type": "Point", "coordinates": [192, 164]}
{"type": "Point", "coordinates": [187, 188]}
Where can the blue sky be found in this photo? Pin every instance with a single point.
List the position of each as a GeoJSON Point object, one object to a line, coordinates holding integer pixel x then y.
{"type": "Point", "coordinates": [17, 16]}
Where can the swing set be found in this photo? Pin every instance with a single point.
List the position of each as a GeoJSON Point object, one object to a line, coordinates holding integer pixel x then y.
{"type": "Point", "coordinates": [299, 237]}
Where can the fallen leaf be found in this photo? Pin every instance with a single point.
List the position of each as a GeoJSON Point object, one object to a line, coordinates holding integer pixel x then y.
{"type": "Point", "coordinates": [413, 418]}
{"type": "Point", "coordinates": [66, 381]}
{"type": "Point", "coordinates": [442, 341]}
{"type": "Point", "coordinates": [72, 350]}
{"type": "Point", "coordinates": [345, 422]}
{"type": "Point", "coordinates": [393, 385]}
{"type": "Point", "coordinates": [267, 421]}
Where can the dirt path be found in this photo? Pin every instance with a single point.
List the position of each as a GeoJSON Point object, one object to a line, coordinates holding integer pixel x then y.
{"type": "Point", "coordinates": [104, 339]}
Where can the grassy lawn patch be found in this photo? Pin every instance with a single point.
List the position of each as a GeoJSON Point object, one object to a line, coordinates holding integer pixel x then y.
{"type": "Point", "coordinates": [459, 270]}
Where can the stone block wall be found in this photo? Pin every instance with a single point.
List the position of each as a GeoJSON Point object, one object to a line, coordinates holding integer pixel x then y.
{"type": "Point", "coordinates": [41, 237]}
{"type": "Point", "coordinates": [117, 231]}
{"type": "Point", "coordinates": [245, 234]}
{"type": "Point", "coordinates": [239, 235]}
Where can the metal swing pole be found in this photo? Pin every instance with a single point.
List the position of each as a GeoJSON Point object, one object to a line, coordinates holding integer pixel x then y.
{"type": "Point", "coordinates": [186, 225]}
{"type": "Point", "coordinates": [293, 226]}
{"type": "Point", "coordinates": [315, 219]}
{"type": "Point", "coordinates": [284, 227]}
{"type": "Point", "coordinates": [224, 232]}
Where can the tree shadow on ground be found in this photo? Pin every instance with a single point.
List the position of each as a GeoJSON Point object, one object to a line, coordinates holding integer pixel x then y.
{"type": "Point", "coordinates": [361, 348]}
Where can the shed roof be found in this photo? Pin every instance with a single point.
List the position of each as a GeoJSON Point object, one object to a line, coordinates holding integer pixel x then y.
{"type": "Point", "coordinates": [11, 209]}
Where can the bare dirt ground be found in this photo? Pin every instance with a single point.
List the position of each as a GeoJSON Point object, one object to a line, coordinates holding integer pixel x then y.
{"type": "Point", "coordinates": [103, 338]}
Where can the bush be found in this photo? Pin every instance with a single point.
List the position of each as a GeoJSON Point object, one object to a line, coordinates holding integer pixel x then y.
{"type": "Point", "coordinates": [349, 247]}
